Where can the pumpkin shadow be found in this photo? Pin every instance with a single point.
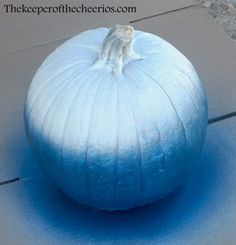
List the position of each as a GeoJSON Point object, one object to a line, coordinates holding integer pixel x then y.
{"type": "Point", "coordinates": [51, 208]}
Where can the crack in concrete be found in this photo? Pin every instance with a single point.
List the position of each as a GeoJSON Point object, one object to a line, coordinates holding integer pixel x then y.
{"type": "Point", "coordinates": [26, 178]}
{"type": "Point", "coordinates": [167, 12]}
{"type": "Point", "coordinates": [222, 117]}
{"type": "Point", "coordinates": [9, 181]}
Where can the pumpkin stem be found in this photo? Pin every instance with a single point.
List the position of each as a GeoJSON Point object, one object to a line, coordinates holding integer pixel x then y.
{"type": "Point", "coordinates": [117, 47]}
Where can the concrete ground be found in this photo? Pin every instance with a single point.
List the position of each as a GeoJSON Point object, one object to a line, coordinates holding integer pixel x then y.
{"type": "Point", "coordinates": [34, 212]}
{"type": "Point", "coordinates": [224, 13]}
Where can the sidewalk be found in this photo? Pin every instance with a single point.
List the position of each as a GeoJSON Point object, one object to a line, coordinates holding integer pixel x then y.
{"type": "Point", "coordinates": [33, 211]}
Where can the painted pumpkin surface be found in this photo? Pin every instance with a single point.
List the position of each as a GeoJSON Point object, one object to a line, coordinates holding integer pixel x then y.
{"type": "Point", "coordinates": [116, 117]}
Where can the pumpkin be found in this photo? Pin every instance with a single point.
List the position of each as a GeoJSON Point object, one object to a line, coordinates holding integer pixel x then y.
{"type": "Point", "coordinates": [116, 117]}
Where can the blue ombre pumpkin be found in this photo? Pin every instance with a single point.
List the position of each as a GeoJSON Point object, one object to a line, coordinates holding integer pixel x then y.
{"type": "Point", "coordinates": [116, 117]}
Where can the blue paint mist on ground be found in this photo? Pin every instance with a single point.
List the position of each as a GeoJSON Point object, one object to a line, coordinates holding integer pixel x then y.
{"type": "Point", "coordinates": [162, 221]}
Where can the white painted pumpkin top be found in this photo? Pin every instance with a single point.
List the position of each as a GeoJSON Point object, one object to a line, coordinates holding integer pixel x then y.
{"type": "Point", "coordinates": [67, 72]}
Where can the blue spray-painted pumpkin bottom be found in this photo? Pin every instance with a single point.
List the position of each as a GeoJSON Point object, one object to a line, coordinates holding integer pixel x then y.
{"type": "Point", "coordinates": [116, 117]}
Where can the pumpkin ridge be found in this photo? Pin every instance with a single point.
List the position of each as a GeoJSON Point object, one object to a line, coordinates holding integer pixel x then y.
{"type": "Point", "coordinates": [195, 87]}
{"type": "Point", "coordinates": [45, 86]}
{"type": "Point", "coordinates": [157, 129]}
{"type": "Point", "coordinates": [77, 142]}
{"type": "Point", "coordinates": [68, 114]}
{"type": "Point", "coordinates": [117, 144]}
{"type": "Point", "coordinates": [49, 67]}
{"type": "Point", "coordinates": [184, 74]}
{"type": "Point", "coordinates": [61, 91]}
{"type": "Point", "coordinates": [55, 100]}
{"type": "Point", "coordinates": [182, 125]}
{"type": "Point", "coordinates": [137, 135]}
{"type": "Point", "coordinates": [189, 65]}
{"type": "Point", "coordinates": [188, 93]}
{"type": "Point", "coordinates": [45, 115]}
{"type": "Point", "coordinates": [88, 136]}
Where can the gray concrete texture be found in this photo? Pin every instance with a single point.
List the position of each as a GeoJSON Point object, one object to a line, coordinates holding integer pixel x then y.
{"type": "Point", "coordinates": [33, 211]}
{"type": "Point", "coordinates": [19, 31]}
{"type": "Point", "coordinates": [224, 13]}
